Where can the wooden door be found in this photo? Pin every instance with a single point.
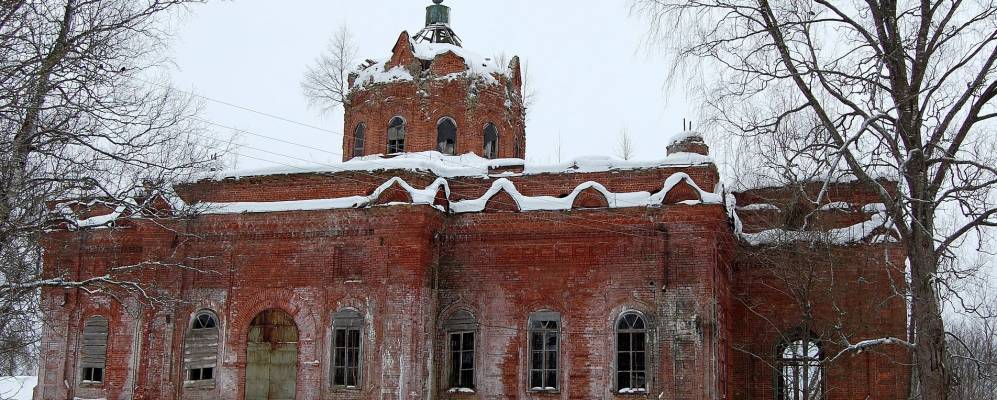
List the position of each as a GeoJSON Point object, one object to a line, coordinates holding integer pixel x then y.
{"type": "Point", "coordinates": [272, 357]}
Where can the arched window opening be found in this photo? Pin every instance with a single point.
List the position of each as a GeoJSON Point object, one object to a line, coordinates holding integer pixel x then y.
{"type": "Point", "coordinates": [396, 135]}
{"type": "Point", "coordinates": [491, 141]}
{"type": "Point", "coordinates": [517, 148]}
{"type": "Point", "coordinates": [93, 356]}
{"type": "Point", "coordinates": [460, 329]}
{"type": "Point", "coordinates": [347, 327]}
{"type": "Point", "coordinates": [446, 136]}
{"type": "Point", "coordinates": [800, 375]}
{"type": "Point", "coordinates": [201, 347]}
{"type": "Point", "coordinates": [631, 354]}
{"type": "Point", "coordinates": [544, 346]}
{"type": "Point", "coordinates": [359, 135]}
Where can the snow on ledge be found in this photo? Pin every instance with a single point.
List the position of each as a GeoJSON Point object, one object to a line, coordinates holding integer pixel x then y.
{"type": "Point", "coordinates": [428, 195]}
{"type": "Point", "coordinates": [419, 196]}
{"type": "Point", "coordinates": [466, 165]}
{"type": "Point", "coordinates": [849, 234]}
{"type": "Point", "coordinates": [615, 200]}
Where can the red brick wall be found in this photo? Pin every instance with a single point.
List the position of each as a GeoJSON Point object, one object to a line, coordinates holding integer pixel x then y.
{"type": "Point", "coordinates": [406, 267]}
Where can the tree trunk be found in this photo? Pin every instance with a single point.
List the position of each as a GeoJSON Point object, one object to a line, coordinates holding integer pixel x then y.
{"type": "Point", "coordinates": [929, 352]}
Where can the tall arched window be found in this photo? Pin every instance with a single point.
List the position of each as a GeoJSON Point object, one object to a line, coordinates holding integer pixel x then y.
{"type": "Point", "coordinates": [93, 355]}
{"type": "Point", "coordinates": [800, 375]}
{"type": "Point", "coordinates": [545, 339]}
{"type": "Point", "coordinates": [517, 148]}
{"type": "Point", "coordinates": [460, 329]}
{"type": "Point", "coordinates": [446, 136]}
{"type": "Point", "coordinates": [347, 328]}
{"type": "Point", "coordinates": [396, 135]}
{"type": "Point", "coordinates": [200, 351]}
{"type": "Point", "coordinates": [491, 141]}
{"type": "Point", "coordinates": [359, 135]}
{"type": "Point", "coordinates": [631, 353]}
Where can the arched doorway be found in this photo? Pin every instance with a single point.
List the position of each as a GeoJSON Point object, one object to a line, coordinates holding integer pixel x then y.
{"type": "Point", "coordinates": [272, 357]}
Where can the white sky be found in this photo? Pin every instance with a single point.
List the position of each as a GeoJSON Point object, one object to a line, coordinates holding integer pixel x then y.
{"type": "Point", "coordinates": [586, 60]}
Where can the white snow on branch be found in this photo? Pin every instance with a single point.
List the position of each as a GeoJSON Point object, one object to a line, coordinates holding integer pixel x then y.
{"type": "Point", "coordinates": [866, 344]}
{"type": "Point", "coordinates": [837, 205]}
{"type": "Point", "coordinates": [759, 207]}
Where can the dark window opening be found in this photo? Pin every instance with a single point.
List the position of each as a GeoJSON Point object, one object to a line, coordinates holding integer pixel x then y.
{"type": "Point", "coordinates": [460, 328]}
{"type": "Point", "coordinates": [631, 354]}
{"type": "Point", "coordinates": [446, 136]}
{"type": "Point", "coordinates": [396, 135]}
{"type": "Point", "coordinates": [200, 374]}
{"type": "Point", "coordinates": [93, 374]}
{"type": "Point", "coordinates": [800, 375]}
{"type": "Point", "coordinates": [462, 360]}
{"type": "Point", "coordinates": [491, 142]}
{"type": "Point", "coordinates": [517, 148]}
{"type": "Point", "coordinates": [347, 326]}
{"type": "Point", "coordinates": [359, 136]}
{"type": "Point", "coordinates": [204, 321]}
{"type": "Point", "coordinates": [544, 339]}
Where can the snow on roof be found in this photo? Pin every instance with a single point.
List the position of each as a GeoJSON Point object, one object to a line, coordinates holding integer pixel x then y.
{"type": "Point", "coordinates": [849, 234]}
{"type": "Point", "coordinates": [483, 68]}
{"type": "Point", "coordinates": [466, 165]}
{"type": "Point", "coordinates": [428, 196]}
{"type": "Point", "coordinates": [682, 136]}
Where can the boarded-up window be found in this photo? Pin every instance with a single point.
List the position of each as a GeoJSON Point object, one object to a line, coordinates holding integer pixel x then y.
{"type": "Point", "coordinates": [545, 338]}
{"type": "Point", "coordinates": [200, 353]}
{"type": "Point", "coordinates": [347, 326]}
{"type": "Point", "coordinates": [94, 352]}
{"type": "Point", "coordinates": [460, 328]}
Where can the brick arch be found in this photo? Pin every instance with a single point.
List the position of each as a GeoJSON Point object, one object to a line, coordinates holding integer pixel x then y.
{"type": "Point", "coordinates": [501, 202]}
{"type": "Point", "coordinates": [454, 307]}
{"type": "Point", "coordinates": [393, 194]}
{"type": "Point", "coordinates": [271, 299]}
{"type": "Point", "coordinates": [682, 191]}
{"type": "Point", "coordinates": [590, 198]}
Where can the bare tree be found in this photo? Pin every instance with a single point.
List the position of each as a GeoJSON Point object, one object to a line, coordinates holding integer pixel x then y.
{"type": "Point", "coordinates": [973, 356]}
{"type": "Point", "coordinates": [78, 125]}
{"type": "Point", "coordinates": [326, 82]}
{"type": "Point", "coordinates": [901, 89]}
{"type": "Point", "coordinates": [625, 145]}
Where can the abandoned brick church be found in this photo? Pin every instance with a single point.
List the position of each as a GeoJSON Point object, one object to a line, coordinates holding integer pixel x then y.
{"type": "Point", "coordinates": [434, 263]}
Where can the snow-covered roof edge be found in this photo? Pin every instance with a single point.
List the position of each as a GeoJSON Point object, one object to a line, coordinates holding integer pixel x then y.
{"type": "Point", "coordinates": [467, 165]}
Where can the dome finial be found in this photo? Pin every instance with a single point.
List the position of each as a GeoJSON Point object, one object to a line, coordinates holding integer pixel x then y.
{"type": "Point", "coordinates": [437, 28]}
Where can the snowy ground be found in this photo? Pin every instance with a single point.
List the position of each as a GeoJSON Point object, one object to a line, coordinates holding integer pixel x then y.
{"type": "Point", "coordinates": [17, 387]}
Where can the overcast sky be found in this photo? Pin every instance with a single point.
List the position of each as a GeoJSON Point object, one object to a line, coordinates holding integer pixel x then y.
{"type": "Point", "coordinates": [586, 59]}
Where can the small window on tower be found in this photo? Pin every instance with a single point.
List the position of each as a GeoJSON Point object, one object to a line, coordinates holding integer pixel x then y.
{"type": "Point", "coordinates": [347, 327]}
{"type": "Point", "coordinates": [491, 141]}
{"type": "Point", "coordinates": [517, 148]}
{"type": "Point", "coordinates": [396, 135]}
{"type": "Point", "coordinates": [359, 136]}
{"type": "Point", "coordinates": [446, 136]}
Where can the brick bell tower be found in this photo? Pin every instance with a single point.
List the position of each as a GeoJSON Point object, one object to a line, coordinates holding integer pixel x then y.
{"type": "Point", "coordinates": [433, 95]}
